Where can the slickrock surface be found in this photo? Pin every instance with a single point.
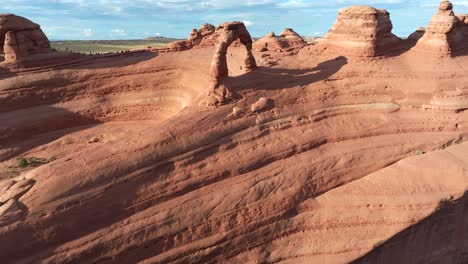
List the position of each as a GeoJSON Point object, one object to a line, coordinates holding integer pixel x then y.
{"type": "Point", "coordinates": [317, 159]}
{"type": "Point", "coordinates": [360, 31]}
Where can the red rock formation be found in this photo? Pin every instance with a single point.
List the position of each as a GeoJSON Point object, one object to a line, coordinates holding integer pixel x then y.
{"type": "Point", "coordinates": [20, 38]}
{"type": "Point", "coordinates": [446, 33]}
{"type": "Point", "coordinates": [288, 41]}
{"type": "Point", "coordinates": [294, 39]}
{"type": "Point", "coordinates": [419, 33]}
{"type": "Point", "coordinates": [228, 33]}
{"type": "Point", "coordinates": [203, 36]}
{"type": "Point", "coordinates": [360, 31]}
{"type": "Point", "coordinates": [179, 45]}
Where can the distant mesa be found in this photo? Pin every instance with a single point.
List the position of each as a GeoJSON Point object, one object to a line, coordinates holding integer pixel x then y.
{"type": "Point", "coordinates": [289, 41]}
{"type": "Point", "coordinates": [20, 38]}
{"type": "Point", "coordinates": [360, 31]}
{"type": "Point", "coordinates": [446, 34]}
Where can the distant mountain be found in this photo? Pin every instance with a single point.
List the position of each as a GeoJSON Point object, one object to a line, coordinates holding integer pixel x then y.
{"type": "Point", "coordinates": [162, 39]}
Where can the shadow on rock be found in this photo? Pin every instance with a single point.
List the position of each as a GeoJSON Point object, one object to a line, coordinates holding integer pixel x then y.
{"type": "Point", "coordinates": [278, 79]}
{"type": "Point", "coordinates": [441, 237]}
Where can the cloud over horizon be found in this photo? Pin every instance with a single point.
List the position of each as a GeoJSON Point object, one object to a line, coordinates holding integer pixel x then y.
{"type": "Point", "coordinates": [121, 19]}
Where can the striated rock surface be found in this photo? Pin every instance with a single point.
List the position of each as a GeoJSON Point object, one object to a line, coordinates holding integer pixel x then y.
{"type": "Point", "coordinates": [446, 34]}
{"type": "Point", "coordinates": [20, 38]}
{"type": "Point", "coordinates": [360, 31]}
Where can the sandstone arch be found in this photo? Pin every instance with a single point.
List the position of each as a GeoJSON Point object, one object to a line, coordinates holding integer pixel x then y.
{"type": "Point", "coordinates": [228, 33]}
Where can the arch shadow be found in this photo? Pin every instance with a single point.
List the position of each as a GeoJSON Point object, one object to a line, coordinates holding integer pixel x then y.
{"type": "Point", "coordinates": [264, 78]}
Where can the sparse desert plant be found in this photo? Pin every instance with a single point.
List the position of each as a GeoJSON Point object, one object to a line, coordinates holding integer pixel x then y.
{"type": "Point", "coordinates": [23, 163]}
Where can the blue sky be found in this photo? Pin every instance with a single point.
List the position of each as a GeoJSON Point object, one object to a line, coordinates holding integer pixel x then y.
{"type": "Point", "coordinates": [134, 19]}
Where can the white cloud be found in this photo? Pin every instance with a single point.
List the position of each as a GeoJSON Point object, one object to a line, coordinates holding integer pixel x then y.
{"type": "Point", "coordinates": [248, 23]}
{"type": "Point", "coordinates": [117, 32]}
{"type": "Point", "coordinates": [87, 32]}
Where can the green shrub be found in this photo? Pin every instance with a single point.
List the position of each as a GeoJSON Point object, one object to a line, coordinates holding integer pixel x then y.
{"type": "Point", "coordinates": [23, 163]}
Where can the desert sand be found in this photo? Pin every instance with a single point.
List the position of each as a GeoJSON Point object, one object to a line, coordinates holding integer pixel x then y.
{"type": "Point", "coordinates": [219, 149]}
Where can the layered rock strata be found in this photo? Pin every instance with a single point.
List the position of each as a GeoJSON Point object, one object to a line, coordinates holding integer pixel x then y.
{"type": "Point", "coordinates": [446, 34]}
{"type": "Point", "coordinates": [360, 31]}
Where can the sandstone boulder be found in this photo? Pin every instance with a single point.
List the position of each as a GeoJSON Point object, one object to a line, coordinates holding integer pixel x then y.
{"type": "Point", "coordinates": [360, 31]}
{"type": "Point", "coordinates": [262, 104]}
{"type": "Point", "coordinates": [179, 45]}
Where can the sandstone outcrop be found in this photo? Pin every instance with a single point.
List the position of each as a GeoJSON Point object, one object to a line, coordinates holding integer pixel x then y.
{"type": "Point", "coordinates": [446, 34]}
{"type": "Point", "coordinates": [294, 39]}
{"type": "Point", "coordinates": [360, 31]}
{"type": "Point", "coordinates": [418, 34]}
{"type": "Point", "coordinates": [203, 36]}
{"type": "Point", "coordinates": [228, 33]}
{"type": "Point", "coordinates": [179, 45]}
{"type": "Point", "coordinates": [20, 38]}
{"type": "Point", "coordinates": [288, 41]}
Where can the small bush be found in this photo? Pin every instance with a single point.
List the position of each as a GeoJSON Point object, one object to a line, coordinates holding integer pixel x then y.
{"type": "Point", "coordinates": [23, 163]}
{"type": "Point", "coordinates": [420, 152]}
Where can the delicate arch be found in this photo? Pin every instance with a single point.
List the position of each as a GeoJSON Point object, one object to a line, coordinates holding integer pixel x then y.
{"type": "Point", "coordinates": [228, 33]}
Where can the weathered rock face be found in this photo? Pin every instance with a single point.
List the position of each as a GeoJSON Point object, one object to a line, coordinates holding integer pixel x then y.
{"type": "Point", "coordinates": [446, 33]}
{"type": "Point", "coordinates": [20, 38]}
{"type": "Point", "coordinates": [204, 36]}
{"type": "Point", "coordinates": [288, 41]}
{"type": "Point", "coordinates": [228, 33]}
{"type": "Point", "coordinates": [419, 33]}
{"type": "Point", "coordinates": [361, 31]}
